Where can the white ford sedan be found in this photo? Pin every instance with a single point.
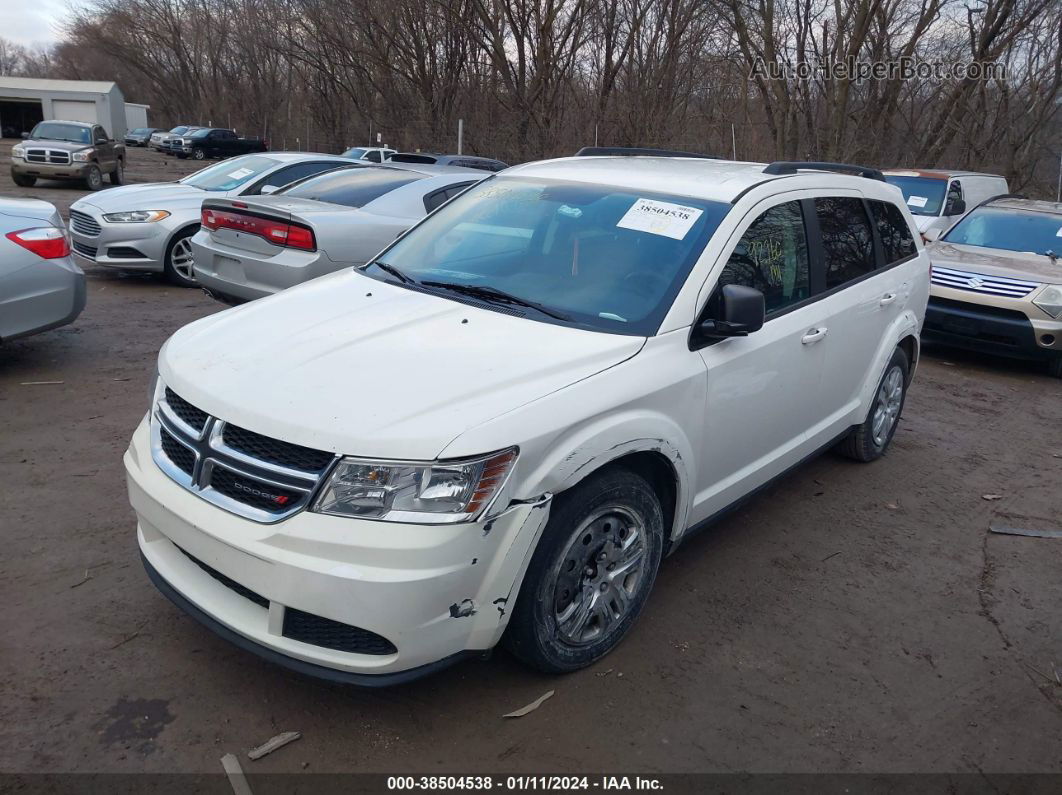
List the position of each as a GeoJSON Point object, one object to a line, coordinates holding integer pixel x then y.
{"type": "Point", "coordinates": [498, 427]}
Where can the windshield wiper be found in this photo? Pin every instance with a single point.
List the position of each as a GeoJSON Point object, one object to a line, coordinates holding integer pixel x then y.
{"type": "Point", "coordinates": [391, 269]}
{"type": "Point", "coordinates": [496, 295]}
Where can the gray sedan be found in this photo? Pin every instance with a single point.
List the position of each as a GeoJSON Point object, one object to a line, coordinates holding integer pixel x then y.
{"type": "Point", "coordinates": [40, 286]}
{"type": "Point", "coordinates": [147, 227]}
{"type": "Point", "coordinates": [249, 249]}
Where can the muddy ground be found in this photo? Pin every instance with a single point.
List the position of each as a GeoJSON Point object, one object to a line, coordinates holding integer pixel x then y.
{"type": "Point", "coordinates": [853, 618]}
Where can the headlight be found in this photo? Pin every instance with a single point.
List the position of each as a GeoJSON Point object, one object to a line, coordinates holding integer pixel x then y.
{"type": "Point", "coordinates": [136, 216]}
{"type": "Point", "coordinates": [439, 492]}
{"type": "Point", "coordinates": [83, 156]}
{"type": "Point", "coordinates": [17, 150]}
{"type": "Point", "coordinates": [1050, 300]}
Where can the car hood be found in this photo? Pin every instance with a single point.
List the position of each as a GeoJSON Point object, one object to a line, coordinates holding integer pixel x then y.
{"type": "Point", "coordinates": [356, 366]}
{"type": "Point", "coordinates": [995, 262]}
{"type": "Point", "coordinates": [151, 196]}
{"type": "Point", "coordinates": [66, 146]}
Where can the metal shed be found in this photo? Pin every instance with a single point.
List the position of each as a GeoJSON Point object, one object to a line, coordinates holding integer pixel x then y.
{"type": "Point", "coordinates": [24, 101]}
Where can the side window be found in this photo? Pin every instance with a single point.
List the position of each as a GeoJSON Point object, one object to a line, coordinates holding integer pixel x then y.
{"type": "Point", "coordinates": [772, 256]}
{"type": "Point", "coordinates": [373, 156]}
{"type": "Point", "coordinates": [285, 176]}
{"type": "Point", "coordinates": [847, 239]}
{"type": "Point", "coordinates": [435, 199]}
{"type": "Point", "coordinates": [897, 241]}
{"type": "Point", "coordinates": [99, 135]}
{"type": "Point", "coordinates": [954, 195]}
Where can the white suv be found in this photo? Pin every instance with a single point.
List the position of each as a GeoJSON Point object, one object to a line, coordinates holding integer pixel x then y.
{"type": "Point", "coordinates": [500, 426]}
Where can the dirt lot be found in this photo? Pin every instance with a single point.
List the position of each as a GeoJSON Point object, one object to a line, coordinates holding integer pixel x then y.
{"type": "Point", "coordinates": [853, 618]}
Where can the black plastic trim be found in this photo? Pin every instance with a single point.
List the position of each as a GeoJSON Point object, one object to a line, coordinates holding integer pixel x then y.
{"type": "Point", "coordinates": [292, 663]}
{"type": "Point", "coordinates": [636, 151]}
{"type": "Point", "coordinates": [793, 166]}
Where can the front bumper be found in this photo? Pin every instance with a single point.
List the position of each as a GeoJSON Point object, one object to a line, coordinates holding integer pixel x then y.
{"type": "Point", "coordinates": [991, 329]}
{"type": "Point", "coordinates": [25, 168]}
{"type": "Point", "coordinates": [434, 592]}
{"type": "Point", "coordinates": [139, 247]}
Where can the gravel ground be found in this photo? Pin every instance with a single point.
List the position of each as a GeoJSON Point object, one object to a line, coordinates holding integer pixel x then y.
{"type": "Point", "coordinates": [853, 618]}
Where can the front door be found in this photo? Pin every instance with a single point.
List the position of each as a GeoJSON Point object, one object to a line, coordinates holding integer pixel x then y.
{"type": "Point", "coordinates": [763, 389]}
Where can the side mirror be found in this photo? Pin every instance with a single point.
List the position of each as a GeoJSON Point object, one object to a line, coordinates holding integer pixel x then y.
{"type": "Point", "coordinates": [931, 234]}
{"type": "Point", "coordinates": [955, 207]}
{"type": "Point", "coordinates": [25, 136]}
{"type": "Point", "coordinates": [743, 313]}
{"type": "Point", "coordinates": [267, 189]}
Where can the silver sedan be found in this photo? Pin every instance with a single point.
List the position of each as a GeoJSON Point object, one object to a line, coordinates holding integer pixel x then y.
{"type": "Point", "coordinates": [40, 286]}
{"type": "Point", "coordinates": [249, 249]}
{"type": "Point", "coordinates": [147, 227]}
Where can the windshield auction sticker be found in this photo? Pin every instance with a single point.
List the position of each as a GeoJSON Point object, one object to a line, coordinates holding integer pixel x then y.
{"type": "Point", "coordinates": [917, 201]}
{"type": "Point", "coordinates": [660, 218]}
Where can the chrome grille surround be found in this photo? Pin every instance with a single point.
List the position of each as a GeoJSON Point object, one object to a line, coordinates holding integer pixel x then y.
{"type": "Point", "coordinates": [212, 453]}
{"type": "Point", "coordinates": [59, 157]}
{"type": "Point", "coordinates": [84, 224]}
{"type": "Point", "coordinates": [982, 283]}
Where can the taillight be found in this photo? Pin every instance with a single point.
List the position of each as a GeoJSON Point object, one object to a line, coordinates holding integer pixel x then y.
{"type": "Point", "coordinates": [278, 233]}
{"type": "Point", "coordinates": [47, 242]}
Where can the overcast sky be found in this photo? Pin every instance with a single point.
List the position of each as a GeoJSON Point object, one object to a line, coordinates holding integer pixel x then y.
{"type": "Point", "coordinates": [30, 22]}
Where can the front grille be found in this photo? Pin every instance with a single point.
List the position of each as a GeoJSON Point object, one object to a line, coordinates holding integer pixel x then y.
{"type": "Point", "coordinates": [325, 632]}
{"type": "Point", "coordinates": [253, 492]}
{"type": "Point", "coordinates": [57, 157]}
{"type": "Point", "coordinates": [84, 224]}
{"type": "Point", "coordinates": [185, 410]}
{"type": "Point", "coordinates": [982, 283]}
{"type": "Point", "coordinates": [274, 451]}
{"type": "Point", "coordinates": [181, 456]}
{"type": "Point", "coordinates": [229, 583]}
{"type": "Point", "coordinates": [83, 250]}
{"type": "Point", "coordinates": [241, 471]}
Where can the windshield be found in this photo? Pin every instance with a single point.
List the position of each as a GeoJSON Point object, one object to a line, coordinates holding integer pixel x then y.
{"type": "Point", "coordinates": [595, 256]}
{"type": "Point", "coordinates": [230, 174]}
{"type": "Point", "coordinates": [1009, 229]}
{"type": "Point", "coordinates": [352, 187]}
{"type": "Point", "coordinates": [356, 152]}
{"type": "Point", "coordinates": [924, 195]}
{"type": "Point", "coordinates": [199, 133]}
{"type": "Point", "coordinates": [179, 130]}
{"type": "Point", "coordinates": [57, 131]}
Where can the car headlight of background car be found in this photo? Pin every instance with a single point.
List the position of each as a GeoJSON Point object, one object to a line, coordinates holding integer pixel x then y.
{"type": "Point", "coordinates": [439, 492]}
{"type": "Point", "coordinates": [83, 156]}
{"type": "Point", "coordinates": [136, 216]}
{"type": "Point", "coordinates": [1050, 300]}
{"type": "Point", "coordinates": [17, 151]}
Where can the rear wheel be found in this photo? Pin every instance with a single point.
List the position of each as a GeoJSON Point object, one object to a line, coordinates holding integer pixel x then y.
{"type": "Point", "coordinates": [1054, 367]}
{"type": "Point", "coordinates": [24, 181]}
{"type": "Point", "coordinates": [870, 440]}
{"type": "Point", "coordinates": [118, 175]}
{"type": "Point", "coordinates": [179, 264]}
{"type": "Point", "coordinates": [199, 154]}
{"type": "Point", "coordinates": [93, 178]}
{"type": "Point", "coordinates": [590, 574]}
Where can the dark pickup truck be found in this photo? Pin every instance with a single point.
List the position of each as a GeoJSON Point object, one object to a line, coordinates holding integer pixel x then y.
{"type": "Point", "coordinates": [215, 142]}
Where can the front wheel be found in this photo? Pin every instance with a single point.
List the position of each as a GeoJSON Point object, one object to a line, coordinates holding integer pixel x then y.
{"type": "Point", "coordinates": [179, 264]}
{"type": "Point", "coordinates": [870, 440]}
{"type": "Point", "coordinates": [1054, 367]}
{"type": "Point", "coordinates": [590, 574]}
{"type": "Point", "coordinates": [199, 154]}
{"type": "Point", "coordinates": [24, 181]}
{"type": "Point", "coordinates": [93, 178]}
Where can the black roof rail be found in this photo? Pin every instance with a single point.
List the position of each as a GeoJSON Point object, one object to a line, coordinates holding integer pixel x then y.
{"type": "Point", "coordinates": [635, 151]}
{"type": "Point", "coordinates": [1002, 196]}
{"type": "Point", "coordinates": [793, 166]}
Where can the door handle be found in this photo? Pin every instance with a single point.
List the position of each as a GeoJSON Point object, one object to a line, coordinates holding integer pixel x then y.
{"type": "Point", "coordinates": [814, 335]}
{"type": "Point", "coordinates": [887, 299]}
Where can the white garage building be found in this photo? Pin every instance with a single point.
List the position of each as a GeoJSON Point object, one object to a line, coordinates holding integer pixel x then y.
{"type": "Point", "coordinates": [24, 101]}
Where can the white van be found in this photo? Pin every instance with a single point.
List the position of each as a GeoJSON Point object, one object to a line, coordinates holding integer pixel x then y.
{"type": "Point", "coordinates": [500, 425]}
{"type": "Point", "coordinates": [938, 198]}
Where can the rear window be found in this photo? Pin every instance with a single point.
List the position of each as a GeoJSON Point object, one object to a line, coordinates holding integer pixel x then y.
{"type": "Point", "coordinates": [412, 158]}
{"type": "Point", "coordinates": [354, 187]}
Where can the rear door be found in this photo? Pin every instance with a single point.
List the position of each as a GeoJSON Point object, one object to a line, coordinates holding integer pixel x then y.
{"type": "Point", "coordinates": [865, 290]}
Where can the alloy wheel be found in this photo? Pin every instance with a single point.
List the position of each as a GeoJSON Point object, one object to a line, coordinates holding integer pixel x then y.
{"type": "Point", "coordinates": [182, 260]}
{"type": "Point", "coordinates": [596, 580]}
{"type": "Point", "coordinates": [887, 406]}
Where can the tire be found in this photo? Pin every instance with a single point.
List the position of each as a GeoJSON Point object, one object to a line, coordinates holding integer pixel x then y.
{"type": "Point", "coordinates": [869, 441]}
{"type": "Point", "coordinates": [117, 176]}
{"type": "Point", "coordinates": [93, 178]}
{"type": "Point", "coordinates": [569, 582]}
{"type": "Point", "coordinates": [198, 154]}
{"type": "Point", "coordinates": [24, 181]}
{"type": "Point", "coordinates": [1054, 367]}
{"type": "Point", "coordinates": [178, 262]}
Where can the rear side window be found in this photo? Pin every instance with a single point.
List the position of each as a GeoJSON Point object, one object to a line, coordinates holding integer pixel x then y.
{"type": "Point", "coordinates": [772, 256]}
{"type": "Point", "coordinates": [897, 240]}
{"type": "Point", "coordinates": [292, 174]}
{"type": "Point", "coordinates": [354, 187]}
{"type": "Point", "coordinates": [847, 239]}
{"type": "Point", "coordinates": [443, 195]}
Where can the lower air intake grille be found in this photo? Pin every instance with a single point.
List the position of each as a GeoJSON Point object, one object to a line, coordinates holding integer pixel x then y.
{"type": "Point", "coordinates": [329, 634]}
{"type": "Point", "coordinates": [232, 585]}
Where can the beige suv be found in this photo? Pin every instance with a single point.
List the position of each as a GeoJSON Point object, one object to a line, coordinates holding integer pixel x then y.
{"type": "Point", "coordinates": [997, 282]}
